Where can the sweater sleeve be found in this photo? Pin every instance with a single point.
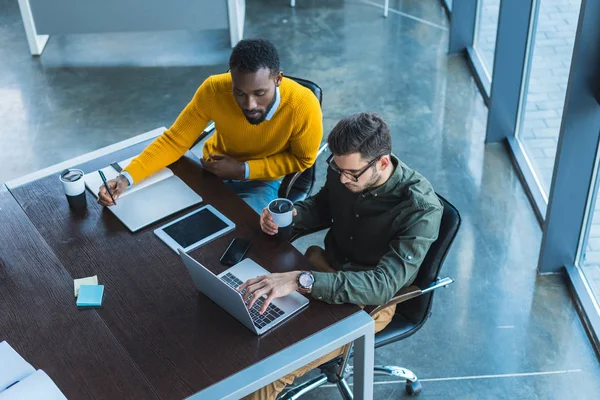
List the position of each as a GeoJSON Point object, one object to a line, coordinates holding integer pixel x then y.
{"type": "Point", "coordinates": [303, 145]}
{"type": "Point", "coordinates": [176, 140]}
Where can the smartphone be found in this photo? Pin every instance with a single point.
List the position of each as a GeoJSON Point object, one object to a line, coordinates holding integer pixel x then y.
{"type": "Point", "coordinates": [235, 252]}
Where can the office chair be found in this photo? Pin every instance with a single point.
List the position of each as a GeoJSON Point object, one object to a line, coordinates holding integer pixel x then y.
{"type": "Point", "coordinates": [298, 185]}
{"type": "Point", "coordinates": [412, 310]}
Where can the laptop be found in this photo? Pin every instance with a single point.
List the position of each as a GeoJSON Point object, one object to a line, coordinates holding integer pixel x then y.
{"type": "Point", "coordinates": [152, 199]}
{"type": "Point", "coordinates": [221, 289]}
{"type": "Point", "coordinates": [154, 203]}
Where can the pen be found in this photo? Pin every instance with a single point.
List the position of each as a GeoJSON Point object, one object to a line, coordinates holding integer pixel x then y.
{"type": "Point", "coordinates": [106, 185]}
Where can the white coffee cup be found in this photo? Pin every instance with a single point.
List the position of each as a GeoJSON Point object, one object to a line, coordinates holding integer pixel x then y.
{"type": "Point", "coordinates": [73, 183]}
{"type": "Point", "coordinates": [281, 210]}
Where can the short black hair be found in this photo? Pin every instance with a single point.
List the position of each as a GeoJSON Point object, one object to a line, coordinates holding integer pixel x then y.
{"type": "Point", "coordinates": [250, 55]}
{"type": "Point", "coordinates": [364, 133]}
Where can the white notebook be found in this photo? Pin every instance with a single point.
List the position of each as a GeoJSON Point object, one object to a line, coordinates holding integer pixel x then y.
{"type": "Point", "coordinates": [145, 202]}
{"type": "Point", "coordinates": [13, 368]}
{"type": "Point", "coordinates": [94, 182]}
{"type": "Point", "coordinates": [36, 386]}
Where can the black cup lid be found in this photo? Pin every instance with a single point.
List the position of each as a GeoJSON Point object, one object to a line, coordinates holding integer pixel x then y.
{"type": "Point", "coordinates": [280, 206]}
{"type": "Point", "coordinates": [71, 175]}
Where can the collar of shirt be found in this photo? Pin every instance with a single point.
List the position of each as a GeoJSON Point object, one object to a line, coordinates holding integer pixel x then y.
{"type": "Point", "coordinates": [275, 105]}
{"type": "Point", "coordinates": [392, 183]}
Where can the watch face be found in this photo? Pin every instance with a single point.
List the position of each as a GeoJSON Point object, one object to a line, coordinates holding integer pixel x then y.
{"type": "Point", "coordinates": [306, 280]}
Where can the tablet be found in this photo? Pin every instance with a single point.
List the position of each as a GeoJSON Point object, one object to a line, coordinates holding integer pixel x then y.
{"type": "Point", "coordinates": [195, 229]}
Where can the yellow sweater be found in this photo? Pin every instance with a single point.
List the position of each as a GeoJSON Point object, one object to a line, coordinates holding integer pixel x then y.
{"type": "Point", "coordinates": [287, 143]}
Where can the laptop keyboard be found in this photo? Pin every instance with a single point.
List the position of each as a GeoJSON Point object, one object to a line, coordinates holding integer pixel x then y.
{"type": "Point", "coordinates": [260, 321]}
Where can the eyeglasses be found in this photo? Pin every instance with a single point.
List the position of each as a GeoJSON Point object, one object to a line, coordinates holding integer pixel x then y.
{"type": "Point", "coordinates": [347, 174]}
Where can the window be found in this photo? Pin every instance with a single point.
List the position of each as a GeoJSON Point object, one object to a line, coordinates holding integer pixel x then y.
{"type": "Point", "coordinates": [545, 85]}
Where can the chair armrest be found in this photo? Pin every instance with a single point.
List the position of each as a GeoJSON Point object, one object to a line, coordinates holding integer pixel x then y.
{"type": "Point", "coordinates": [288, 181]}
{"type": "Point", "coordinates": [403, 295]}
{"type": "Point", "coordinates": [317, 228]}
{"type": "Point", "coordinates": [410, 293]}
{"type": "Point", "coordinates": [210, 128]}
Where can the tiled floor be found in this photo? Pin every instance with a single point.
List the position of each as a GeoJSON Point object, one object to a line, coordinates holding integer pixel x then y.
{"type": "Point", "coordinates": [500, 331]}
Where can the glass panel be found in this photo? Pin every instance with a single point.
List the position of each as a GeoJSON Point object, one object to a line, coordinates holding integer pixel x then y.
{"type": "Point", "coordinates": [589, 260]}
{"type": "Point", "coordinates": [485, 34]}
{"type": "Point", "coordinates": [551, 49]}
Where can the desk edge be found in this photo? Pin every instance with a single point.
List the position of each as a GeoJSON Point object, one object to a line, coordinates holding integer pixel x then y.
{"type": "Point", "coordinates": [53, 169]}
{"type": "Point", "coordinates": [291, 358]}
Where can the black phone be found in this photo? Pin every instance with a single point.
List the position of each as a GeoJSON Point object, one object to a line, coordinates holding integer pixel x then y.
{"type": "Point", "coordinates": [235, 252]}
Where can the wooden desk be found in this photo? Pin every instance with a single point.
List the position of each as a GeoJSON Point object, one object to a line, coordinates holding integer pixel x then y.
{"type": "Point", "coordinates": [180, 341]}
{"type": "Point", "coordinates": [38, 318]}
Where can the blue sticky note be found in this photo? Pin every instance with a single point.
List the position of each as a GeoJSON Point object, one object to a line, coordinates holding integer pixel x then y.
{"type": "Point", "coordinates": [90, 295]}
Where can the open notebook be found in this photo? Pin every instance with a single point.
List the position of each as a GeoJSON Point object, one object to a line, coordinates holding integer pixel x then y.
{"type": "Point", "coordinates": [19, 380]}
{"type": "Point", "coordinates": [154, 198]}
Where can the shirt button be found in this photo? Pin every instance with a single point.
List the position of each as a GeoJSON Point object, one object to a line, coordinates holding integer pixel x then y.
{"type": "Point", "coordinates": [351, 238]}
{"type": "Point", "coordinates": [320, 297]}
{"type": "Point", "coordinates": [409, 257]}
{"type": "Point", "coordinates": [375, 195]}
{"type": "Point", "coordinates": [357, 215]}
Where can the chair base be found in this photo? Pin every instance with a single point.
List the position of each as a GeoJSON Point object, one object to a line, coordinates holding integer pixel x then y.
{"type": "Point", "coordinates": [413, 386]}
{"type": "Point", "coordinates": [295, 392]}
{"type": "Point", "coordinates": [392, 370]}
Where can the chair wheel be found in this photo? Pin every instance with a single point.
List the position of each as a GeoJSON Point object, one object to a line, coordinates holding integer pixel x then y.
{"type": "Point", "coordinates": [413, 388]}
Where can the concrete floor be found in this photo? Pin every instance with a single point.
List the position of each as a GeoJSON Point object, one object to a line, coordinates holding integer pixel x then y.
{"type": "Point", "coordinates": [500, 331]}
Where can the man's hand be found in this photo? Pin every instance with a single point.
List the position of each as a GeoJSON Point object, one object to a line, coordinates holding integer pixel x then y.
{"type": "Point", "coordinates": [272, 285]}
{"type": "Point", "coordinates": [267, 224]}
{"type": "Point", "coordinates": [117, 186]}
{"type": "Point", "coordinates": [224, 166]}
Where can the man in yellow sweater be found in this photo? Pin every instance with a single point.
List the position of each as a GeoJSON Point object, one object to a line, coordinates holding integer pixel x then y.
{"type": "Point", "coordinates": [267, 126]}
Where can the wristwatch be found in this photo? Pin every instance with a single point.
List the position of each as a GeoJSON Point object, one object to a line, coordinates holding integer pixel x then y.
{"type": "Point", "coordinates": [305, 282]}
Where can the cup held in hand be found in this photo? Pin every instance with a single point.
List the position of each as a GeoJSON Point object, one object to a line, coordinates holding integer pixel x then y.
{"type": "Point", "coordinates": [281, 210]}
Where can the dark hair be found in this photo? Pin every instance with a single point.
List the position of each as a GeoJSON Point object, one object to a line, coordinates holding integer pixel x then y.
{"type": "Point", "coordinates": [365, 133]}
{"type": "Point", "coordinates": [250, 55]}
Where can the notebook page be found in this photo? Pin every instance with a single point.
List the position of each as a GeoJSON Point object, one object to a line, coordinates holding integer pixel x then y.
{"type": "Point", "coordinates": [93, 180]}
{"type": "Point", "coordinates": [13, 367]}
{"type": "Point", "coordinates": [36, 386]}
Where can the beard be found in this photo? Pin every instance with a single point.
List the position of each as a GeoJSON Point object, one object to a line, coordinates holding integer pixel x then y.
{"type": "Point", "coordinates": [373, 180]}
{"type": "Point", "coordinates": [262, 114]}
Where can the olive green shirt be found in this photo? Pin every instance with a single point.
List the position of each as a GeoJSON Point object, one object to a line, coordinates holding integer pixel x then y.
{"type": "Point", "coordinates": [378, 238]}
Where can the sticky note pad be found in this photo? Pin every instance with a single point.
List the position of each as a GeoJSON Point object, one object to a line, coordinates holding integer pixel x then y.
{"type": "Point", "coordinates": [90, 296]}
{"type": "Point", "coordinates": [90, 280]}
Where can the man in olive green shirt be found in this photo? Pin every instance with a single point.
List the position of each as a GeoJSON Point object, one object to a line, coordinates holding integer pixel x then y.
{"type": "Point", "coordinates": [383, 217]}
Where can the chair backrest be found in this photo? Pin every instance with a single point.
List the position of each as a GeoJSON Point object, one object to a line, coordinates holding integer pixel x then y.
{"type": "Point", "coordinates": [417, 310]}
{"type": "Point", "coordinates": [316, 89]}
{"type": "Point", "coordinates": [297, 187]}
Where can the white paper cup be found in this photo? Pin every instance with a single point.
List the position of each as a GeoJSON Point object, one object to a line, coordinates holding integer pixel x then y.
{"type": "Point", "coordinates": [73, 183]}
{"type": "Point", "coordinates": [281, 211]}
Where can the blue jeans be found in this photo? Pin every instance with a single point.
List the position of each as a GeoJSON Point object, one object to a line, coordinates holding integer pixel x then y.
{"type": "Point", "coordinates": [257, 194]}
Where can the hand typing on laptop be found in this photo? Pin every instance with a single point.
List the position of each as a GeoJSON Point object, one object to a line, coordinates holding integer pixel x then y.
{"type": "Point", "coordinates": [273, 286]}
